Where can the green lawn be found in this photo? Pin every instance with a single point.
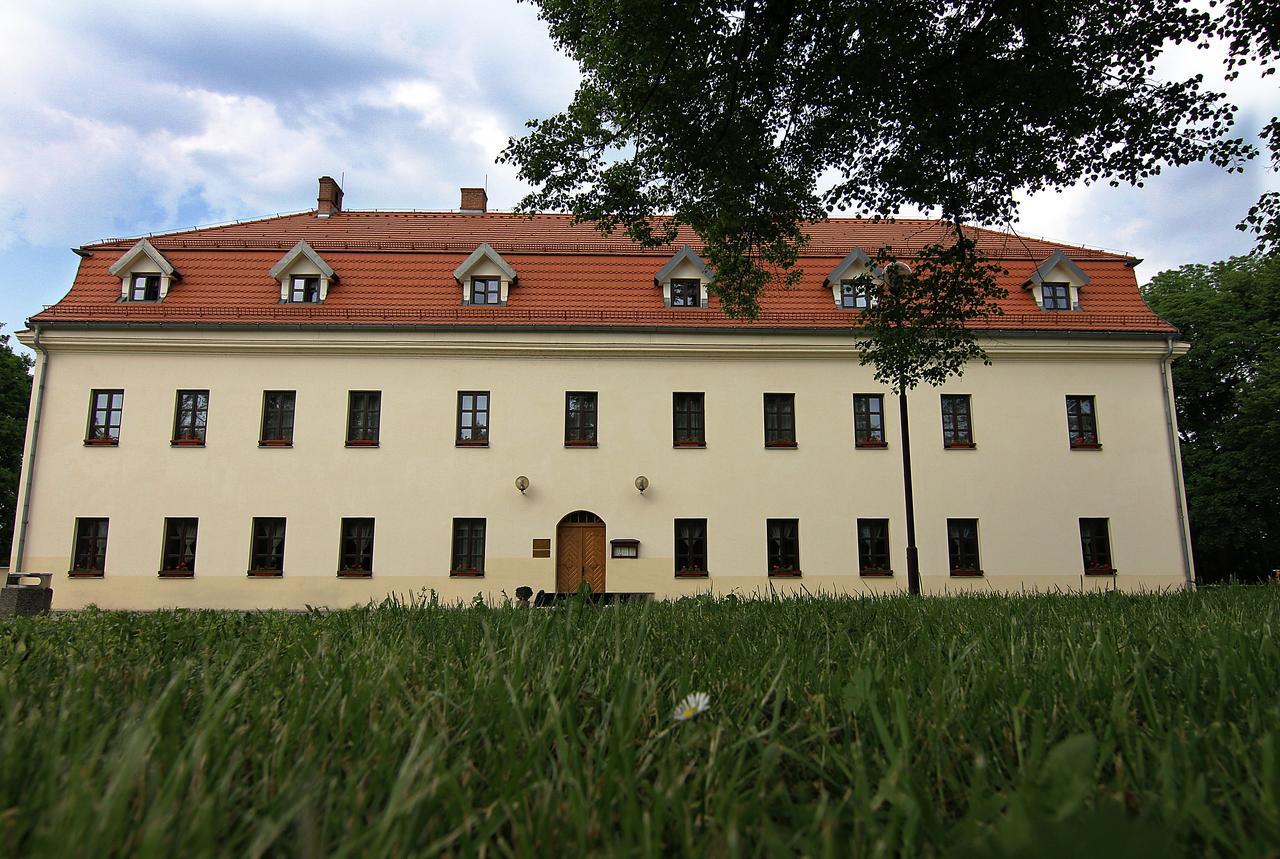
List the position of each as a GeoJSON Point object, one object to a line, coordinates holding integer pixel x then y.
{"type": "Point", "coordinates": [1039, 726]}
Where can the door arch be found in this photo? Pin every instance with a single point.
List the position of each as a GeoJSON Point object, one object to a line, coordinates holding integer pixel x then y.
{"type": "Point", "coordinates": [580, 552]}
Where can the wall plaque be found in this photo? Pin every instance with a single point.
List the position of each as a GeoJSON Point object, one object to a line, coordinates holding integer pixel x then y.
{"type": "Point", "coordinates": [542, 548]}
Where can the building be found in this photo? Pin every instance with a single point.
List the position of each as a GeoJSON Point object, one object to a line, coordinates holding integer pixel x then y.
{"type": "Point", "coordinates": [327, 407]}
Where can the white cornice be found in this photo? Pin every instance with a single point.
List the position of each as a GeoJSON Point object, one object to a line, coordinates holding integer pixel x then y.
{"type": "Point", "coordinates": [560, 344]}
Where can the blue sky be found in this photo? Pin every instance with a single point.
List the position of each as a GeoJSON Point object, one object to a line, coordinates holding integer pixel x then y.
{"type": "Point", "coordinates": [166, 116]}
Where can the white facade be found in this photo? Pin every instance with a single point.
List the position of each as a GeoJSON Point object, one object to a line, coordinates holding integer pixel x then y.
{"type": "Point", "coordinates": [1022, 481]}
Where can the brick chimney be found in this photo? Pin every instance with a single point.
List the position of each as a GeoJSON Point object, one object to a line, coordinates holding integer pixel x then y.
{"type": "Point", "coordinates": [330, 200]}
{"type": "Point", "coordinates": [475, 201]}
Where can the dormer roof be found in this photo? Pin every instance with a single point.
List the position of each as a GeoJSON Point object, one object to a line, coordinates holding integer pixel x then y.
{"type": "Point", "coordinates": [685, 254]}
{"type": "Point", "coordinates": [1058, 259]}
{"type": "Point", "coordinates": [484, 252]}
{"type": "Point", "coordinates": [142, 248]}
{"type": "Point", "coordinates": [853, 257]}
{"type": "Point", "coordinates": [302, 249]}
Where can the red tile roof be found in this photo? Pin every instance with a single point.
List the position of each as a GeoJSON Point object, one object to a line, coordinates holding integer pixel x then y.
{"type": "Point", "coordinates": [395, 268]}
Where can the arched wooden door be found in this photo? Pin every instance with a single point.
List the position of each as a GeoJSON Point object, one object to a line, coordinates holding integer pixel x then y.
{"type": "Point", "coordinates": [580, 552]}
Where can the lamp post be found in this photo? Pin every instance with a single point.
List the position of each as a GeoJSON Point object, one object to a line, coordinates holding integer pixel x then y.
{"type": "Point", "coordinates": [913, 554]}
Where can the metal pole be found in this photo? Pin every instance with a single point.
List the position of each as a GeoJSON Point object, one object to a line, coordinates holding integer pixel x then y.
{"type": "Point", "coordinates": [913, 555]}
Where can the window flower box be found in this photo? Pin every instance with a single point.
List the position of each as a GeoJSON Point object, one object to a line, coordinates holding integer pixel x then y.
{"type": "Point", "coordinates": [352, 571]}
{"type": "Point", "coordinates": [875, 573]}
{"type": "Point", "coordinates": [266, 574]}
{"type": "Point", "coordinates": [873, 443]}
{"type": "Point", "coordinates": [965, 572]}
{"type": "Point", "coordinates": [182, 570]}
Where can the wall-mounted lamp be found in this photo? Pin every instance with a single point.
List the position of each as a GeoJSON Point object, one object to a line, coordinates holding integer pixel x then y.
{"type": "Point", "coordinates": [642, 483]}
{"type": "Point", "coordinates": [522, 483]}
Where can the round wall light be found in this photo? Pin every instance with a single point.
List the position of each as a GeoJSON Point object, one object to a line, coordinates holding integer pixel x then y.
{"type": "Point", "coordinates": [642, 483]}
{"type": "Point", "coordinates": [522, 483]}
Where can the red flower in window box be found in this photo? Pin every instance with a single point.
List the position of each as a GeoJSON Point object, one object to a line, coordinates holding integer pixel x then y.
{"type": "Point", "coordinates": [101, 435]}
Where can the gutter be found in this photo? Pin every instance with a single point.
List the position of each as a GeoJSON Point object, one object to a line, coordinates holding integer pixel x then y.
{"type": "Point", "coordinates": [29, 460]}
{"type": "Point", "coordinates": [1175, 462]}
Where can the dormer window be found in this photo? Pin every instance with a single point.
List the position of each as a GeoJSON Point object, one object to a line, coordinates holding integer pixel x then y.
{"type": "Point", "coordinates": [684, 280]}
{"type": "Point", "coordinates": [1055, 296]}
{"type": "Point", "coordinates": [1057, 283]}
{"type": "Point", "coordinates": [852, 281]}
{"type": "Point", "coordinates": [303, 275]}
{"type": "Point", "coordinates": [145, 287]}
{"type": "Point", "coordinates": [485, 277]}
{"type": "Point", "coordinates": [686, 292]}
{"type": "Point", "coordinates": [145, 275]}
{"type": "Point", "coordinates": [855, 294]}
{"type": "Point", "coordinates": [486, 290]}
{"type": "Point", "coordinates": [305, 290]}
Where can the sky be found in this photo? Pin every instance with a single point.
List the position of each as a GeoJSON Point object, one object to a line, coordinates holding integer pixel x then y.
{"type": "Point", "coordinates": [166, 116]}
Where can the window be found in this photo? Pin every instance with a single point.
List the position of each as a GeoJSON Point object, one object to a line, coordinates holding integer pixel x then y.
{"type": "Point", "coordinates": [266, 551]}
{"type": "Point", "coordinates": [784, 547]}
{"type": "Point", "coordinates": [962, 547]}
{"type": "Point", "coordinates": [855, 294]}
{"type": "Point", "coordinates": [355, 557]}
{"type": "Point", "coordinates": [779, 420]}
{"type": "Point", "coordinates": [686, 292]}
{"type": "Point", "coordinates": [473, 418]}
{"type": "Point", "coordinates": [1055, 296]}
{"type": "Point", "coordinates": [691, 547]}
{"type": "Point", "coordinates": [1082, 423]}
{"type": "Point", "coordinates": [624, 548]}
{"type": "Point", "coordinates": [144, 287]}
{"type": "Point", "coordinates": [106, 408]}
{"type": "Point", "coordinates": [89, 554]}
{"type": "Point", "coordinates": [190, 418]}
{"type": "Point", "coordinates": [1095, 546]}
{"type": "Point", "coordinates": [873, 547]}
{"type": "Point", "coordinates": [364, 410]}
{"type": "Point", "coordinates": [580, 419]}
{"type": "Point", "coordinates": [468, 547]}
{"type": "Point", "coordinates": [179, 547]}
{"type": "Point", "coordinates": [305, 290]}
{"type": "Point", "coordinates": [486, 290]}
{"type": "Point", "coordinates": [277, 418]}
{"type": "Point", "coordinates": [868, 420]}
{"type": "Point", "coordinates": [688, 425]}
{"type": "Point", "coordinates": [957, 430]}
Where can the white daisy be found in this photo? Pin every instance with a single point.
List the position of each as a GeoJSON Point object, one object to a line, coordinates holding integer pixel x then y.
{"type": "Point", "coordinates": [695, 703]}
